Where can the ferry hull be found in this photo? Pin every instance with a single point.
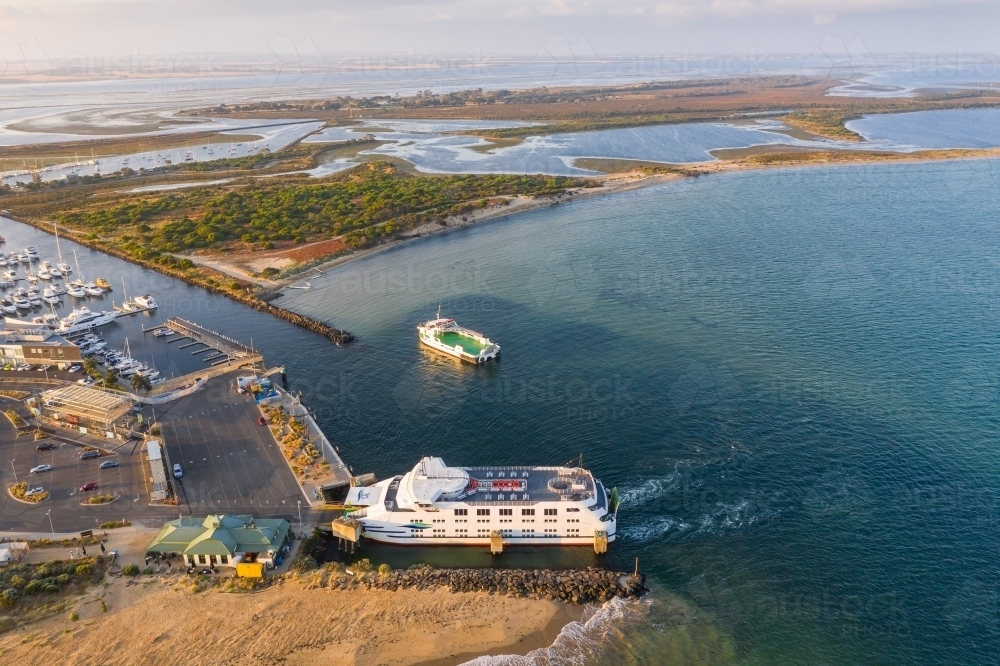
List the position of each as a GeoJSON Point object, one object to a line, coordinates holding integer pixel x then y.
{"type": "Point", "coordinates": [436, 345]}
{"type": "Point", "coordinates": [407, 540]}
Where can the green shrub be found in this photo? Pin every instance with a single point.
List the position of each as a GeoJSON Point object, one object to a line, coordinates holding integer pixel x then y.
{"type": "Point", "coordinates": [74, 616]}
{"type": "Point", "coordinates": [384, 569]}
{"type": "Point", "coordinates": [148, 571]}
{"type": "Point", "coordinates": [8, 598]}
{"type": "Point", "coordinates": [62, 579]}
{"type": "Point", "coordinates": [363, 564]}
{"type": "Point", "coordinates": [83, 569]}
{"type": "Point", "coordinates": [130, 570]}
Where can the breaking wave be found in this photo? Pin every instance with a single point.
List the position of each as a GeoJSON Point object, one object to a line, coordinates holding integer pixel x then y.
{"type": "Point", "coordinates": [580, 643]}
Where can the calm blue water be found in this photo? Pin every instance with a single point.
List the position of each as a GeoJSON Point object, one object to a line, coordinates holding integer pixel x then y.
{"type": "Point", "coordinates": [951, 128]}
{"type": "Point", "coordinates": [792, 375]}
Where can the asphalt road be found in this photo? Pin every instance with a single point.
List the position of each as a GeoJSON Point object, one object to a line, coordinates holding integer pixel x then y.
{"type": "Point", "coordinates": [231, 465]}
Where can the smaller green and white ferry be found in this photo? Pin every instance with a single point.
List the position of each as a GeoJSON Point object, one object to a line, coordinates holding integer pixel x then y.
{"type": "Point", "coordinates": [445, 335]}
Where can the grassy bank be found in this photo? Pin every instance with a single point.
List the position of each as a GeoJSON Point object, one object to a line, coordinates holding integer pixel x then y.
{"type": "Point", "coordinates": [356, 209]}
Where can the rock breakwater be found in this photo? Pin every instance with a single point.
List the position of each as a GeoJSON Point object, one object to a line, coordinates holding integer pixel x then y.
{"type": "Point", "coordinates": [576, 586]}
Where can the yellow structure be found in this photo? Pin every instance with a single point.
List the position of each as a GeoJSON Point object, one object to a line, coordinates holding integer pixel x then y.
{"type": "Point", "coordinates": [250, 570]}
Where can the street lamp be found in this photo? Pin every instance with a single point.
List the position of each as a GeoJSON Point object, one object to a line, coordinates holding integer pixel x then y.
{"type": "Point", "coordinates": [13, 470]}
{"type": "Point", "coordinates": [49, 514]}
{"type": "Point", "coordinates": [300, 515]}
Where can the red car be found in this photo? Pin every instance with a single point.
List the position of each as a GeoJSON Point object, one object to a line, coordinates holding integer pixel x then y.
{"type": "Point", "coordinates": [88, 486]}
{"type": "Point", "coordinates": [261, 421]}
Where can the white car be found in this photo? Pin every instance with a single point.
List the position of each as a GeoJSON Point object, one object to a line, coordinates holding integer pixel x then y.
{"type": "Point", "coordinates": [178, 472]}
{"type": "Point", "coordinates": [41, 468]}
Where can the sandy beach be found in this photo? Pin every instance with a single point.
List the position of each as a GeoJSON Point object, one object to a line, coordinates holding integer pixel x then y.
{"type": "Point", "coordinates": [154, 621]}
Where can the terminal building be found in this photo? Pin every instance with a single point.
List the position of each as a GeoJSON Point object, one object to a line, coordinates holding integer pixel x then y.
{"type": "Point", "coordinates": [217, 540]}
{"type": "Point", "coordinates": [28, 342]}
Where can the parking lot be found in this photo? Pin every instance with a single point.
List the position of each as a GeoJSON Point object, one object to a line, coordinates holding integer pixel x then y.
{"type": "Point", "coordinates": [231, 464]}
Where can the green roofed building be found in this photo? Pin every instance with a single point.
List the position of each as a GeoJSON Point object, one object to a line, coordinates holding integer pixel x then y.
{"type": "Point", "coordinates": [223, 540]}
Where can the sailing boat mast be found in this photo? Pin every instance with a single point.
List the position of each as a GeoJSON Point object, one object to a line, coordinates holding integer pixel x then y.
{"type": "Point", "coordinates": [79, 273]}
{"type": "Point", "coordinates": [55, 227]}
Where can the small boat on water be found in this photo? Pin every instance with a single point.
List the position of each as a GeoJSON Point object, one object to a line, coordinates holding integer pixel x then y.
{"type": "Point", "coordinates": [146, 301]}
{"type": "Point", "coordinates": [445, 335]}
{"type": "Point", "coordinates": [163, 332]}
{"type": "Point", "coordinates": [75, 290]}
{"type": "Point", "coordinates": [103, 284]}
{"type": "Point", "coordinates": [10, 275]}
{"type": "Point", "coordinates": [58, 289]}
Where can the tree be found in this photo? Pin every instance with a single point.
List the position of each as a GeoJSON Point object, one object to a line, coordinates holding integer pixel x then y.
{"type": "Point", "coordinates": [90, 367]}
{"type": "Point", "coordinates": [110, 379]}
{"type": "Point", "coordinates": [140, 382]}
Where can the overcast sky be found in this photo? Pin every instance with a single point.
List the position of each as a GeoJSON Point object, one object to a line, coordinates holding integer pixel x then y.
{"type": "Point", "coordinates": [56, 29]}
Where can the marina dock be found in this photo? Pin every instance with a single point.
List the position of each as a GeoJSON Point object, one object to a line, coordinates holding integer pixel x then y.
{"type": "Point", "coordinates": [224, 348]}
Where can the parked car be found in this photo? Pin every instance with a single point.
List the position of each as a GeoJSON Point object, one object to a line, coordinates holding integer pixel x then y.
{"type": "Point", "coordinates": [108, 464]}
{"type": "Point", "coordinates": [88, 486]}
{"type": "Point", "coordinates": [43, 368]}
{"type": "Point", "coordinates": [87, 455]}
{"type": "Point", "coordinates": [178, 472]}
{"type": "Point", "coordinates": [41, 468]}
{"type": "Point", "coordinates": [34, 491]}
{"type": "Point", "coordinates": [45, 446]}
{"type": "Point", "coordinates": [261, 421]}
{"type": "Point", "coordinates": [75, 368]}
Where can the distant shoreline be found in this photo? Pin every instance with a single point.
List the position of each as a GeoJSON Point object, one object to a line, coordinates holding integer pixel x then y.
{"type": "Point", "coordinates": [614, 184]}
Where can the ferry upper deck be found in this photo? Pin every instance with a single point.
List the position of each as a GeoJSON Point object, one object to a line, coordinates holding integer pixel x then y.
{"type": "Point", "coordinates": [432, 483]}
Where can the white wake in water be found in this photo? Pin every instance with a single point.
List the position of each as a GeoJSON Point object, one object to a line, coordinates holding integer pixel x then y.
{"type": "Point", "coordinates": [580, 643]}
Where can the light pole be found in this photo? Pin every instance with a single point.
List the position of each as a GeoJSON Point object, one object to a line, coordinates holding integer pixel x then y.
{"type": "Point", "coordinates": [51, 526]}
{"type": "Point", "coordinates": [300, 515]}
{"type": "Point", "coordinates": [13, 470]}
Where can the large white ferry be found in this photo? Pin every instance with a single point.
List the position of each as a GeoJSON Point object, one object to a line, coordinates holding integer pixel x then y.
{"type": "Point", "coordinates": [434, 504]}
{"type": "Point", "coordinates": [447, 336]}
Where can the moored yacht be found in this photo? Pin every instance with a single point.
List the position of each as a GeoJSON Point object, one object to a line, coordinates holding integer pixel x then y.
{"type": "Point", "coordinates": [82, 319]}
{"type": "Point", "coordinates": [146, 301]}
{"type": "Point", "coordinates": [437, 504]}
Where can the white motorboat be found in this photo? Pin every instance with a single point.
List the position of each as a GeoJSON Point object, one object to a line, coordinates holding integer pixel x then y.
{"type": "Point", "coordinates": [22, 303]}
{"type": "Point", "coordinates": [82, 319]}
{"type": "Point", "coordinates": [64, 268]}
{"type": "Point", "coordinates": [75, 290]}
{"type": "Point", "coordinates": [3, 259]}
{"type": "Point", "coordinates": [146, 301]}
{"type": "Point", "coordinates": [8, 306]}
{"type": "Point", "coordinates": [44, 274]}
{"type": "Point", "coordinates": [92, 289]}
{"type": "Point", "coordinates": [30, 276]}
{"type": "Point", "coordinates": [10, 275]}
{"type": "Point", "coordinates": [50, 297]}
{"type": "Point", "coordinates": [58, 289]}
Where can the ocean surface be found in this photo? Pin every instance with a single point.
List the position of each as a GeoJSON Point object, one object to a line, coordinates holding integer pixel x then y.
{"type": "Point", "coordinates": [790, 375]}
